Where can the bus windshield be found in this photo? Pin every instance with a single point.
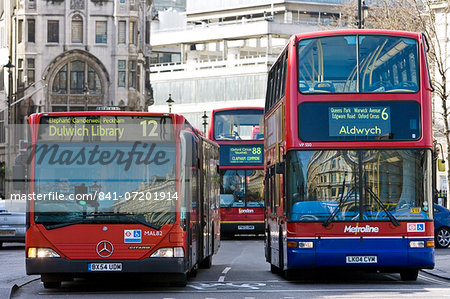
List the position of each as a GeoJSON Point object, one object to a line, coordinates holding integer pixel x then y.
{"type": "Point", "coordinates": [79, 182]}
{"type": "Point", "coordinates": [358, 64]}
{"type": "Point", "coordinates": [239, 124]}
{"type": "Point", "coordinates": [242, 188]}
{"type": "Point", "coordinates": [359, 185]}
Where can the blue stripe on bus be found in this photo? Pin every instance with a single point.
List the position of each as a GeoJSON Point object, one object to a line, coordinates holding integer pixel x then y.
{"type": "Point", "coordinates": [332, 252]}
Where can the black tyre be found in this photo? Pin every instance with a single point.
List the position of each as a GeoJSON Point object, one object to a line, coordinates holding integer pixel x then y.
{"type": "Point", "coordinates": [442, 237]}
{"type": "Point", "coordinates": [52, 284]}
{"type": "Point", "coordinates": [409, 274]}
{"type": "Point", "coordinates": [206, 263]}
{"type": "Point", "coordinates": [289, 274]}
{"type": "Point", "coordinates": [193, 271]}
{"type": "Point", "coordinates": [274, 269]}
{"type": "Point", "coordinates": [181, 281]}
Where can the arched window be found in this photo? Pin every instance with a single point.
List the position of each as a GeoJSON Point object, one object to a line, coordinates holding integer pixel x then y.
{"type": "Point", "coordinates": [77, 29]}
{"type": "Point", "coordinates": [76, 86]}
{"type": "Point", "coordinates": [80, 75]}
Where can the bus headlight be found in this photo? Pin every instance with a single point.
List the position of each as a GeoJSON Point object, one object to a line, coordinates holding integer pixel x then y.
{"type": "Point", "coordinates": [41, 252]}
{"type": "Point", "coordinates": [417, 244]}
{"type": "Point", "coordinates": [169, 252]}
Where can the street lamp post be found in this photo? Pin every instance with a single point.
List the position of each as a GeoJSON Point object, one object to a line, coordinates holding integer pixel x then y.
{"type": "Point", "coordinates": [170, 102]}
{"type": "Point", "coordinates": [365, 13]}
{"type": "Point", "coordinates": [359, 15]}
{"type": "Point", "coordinates": [9, 66]}
{"type": "Point", "coordinates": [362, 11]}
{"type": "Point", "coordinates": [205, 121]}
{"type": "Point", "coordinates": [86, 93]}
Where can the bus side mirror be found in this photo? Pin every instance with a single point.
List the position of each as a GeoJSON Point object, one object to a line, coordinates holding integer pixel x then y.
{"type": "Point", "coordinates": [19, 177]}
{"type": "Point", "coordinates": [279, 167]}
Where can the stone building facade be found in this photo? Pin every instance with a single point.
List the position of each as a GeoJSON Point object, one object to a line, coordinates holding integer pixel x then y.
{"type": "Point", "coordinates": [73, 55]}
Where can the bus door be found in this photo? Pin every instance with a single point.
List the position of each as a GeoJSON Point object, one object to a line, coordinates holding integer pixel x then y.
{"type": "Point", "coordinates": [206, 206]}
{"type": "Point", "coordinates": [271, 213]}
{"type": "Point", "coordinates": [191, 189]}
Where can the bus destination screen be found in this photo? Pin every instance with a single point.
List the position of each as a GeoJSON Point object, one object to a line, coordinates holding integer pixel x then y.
{"type": "Point", "coordinates": [105, 128]}
{"type": "Point", "coordinates": [241, 154]}
{"type": "Point", "coordinates": [359, 121]}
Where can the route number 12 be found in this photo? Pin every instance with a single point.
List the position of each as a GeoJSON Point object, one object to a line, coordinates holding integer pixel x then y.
{"type": "Point", "coordinates": [151, 126]}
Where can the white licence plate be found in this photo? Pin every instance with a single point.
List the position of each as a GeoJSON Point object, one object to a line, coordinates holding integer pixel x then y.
{"type": "Point", "coordinates": [246, 227]}
{"type": "Point", "coordinates": [361, 259]}
{"type": "Point", "coordinates": [105, 267]}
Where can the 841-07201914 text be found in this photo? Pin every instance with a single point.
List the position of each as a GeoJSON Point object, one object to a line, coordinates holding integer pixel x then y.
{"type": "Point", "coordinates": [132, 195]}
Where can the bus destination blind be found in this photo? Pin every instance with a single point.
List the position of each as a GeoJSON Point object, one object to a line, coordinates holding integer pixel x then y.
{"type": "Point", "coordinates": [105, 128]}
{"type": "Point", "coordinates": [241, 154]}
{"type": "Point", "coordinates": [359, 121]}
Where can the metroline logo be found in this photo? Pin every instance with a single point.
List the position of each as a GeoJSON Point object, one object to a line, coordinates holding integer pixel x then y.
{"type": "Point", "coordinates": [361, 229]}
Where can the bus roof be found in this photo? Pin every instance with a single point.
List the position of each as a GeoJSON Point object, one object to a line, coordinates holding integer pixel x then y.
{"type": "Point", "coordinates": [236, 108]}
{"type": "Point", "coordinates": [358, 31]}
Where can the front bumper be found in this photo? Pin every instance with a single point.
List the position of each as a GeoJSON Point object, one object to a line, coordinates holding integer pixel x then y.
{"type": "Point", "coordinates": [64, 266]}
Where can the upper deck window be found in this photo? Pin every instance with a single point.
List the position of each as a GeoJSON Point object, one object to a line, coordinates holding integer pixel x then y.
{"type": "Point", "coordinates": [358, 64]}
{"type": "Point", "coordinates": [239, 124]}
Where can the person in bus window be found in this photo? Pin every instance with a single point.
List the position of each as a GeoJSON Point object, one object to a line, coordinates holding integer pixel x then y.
{"type": "Point", "coordinates": [236, 186]}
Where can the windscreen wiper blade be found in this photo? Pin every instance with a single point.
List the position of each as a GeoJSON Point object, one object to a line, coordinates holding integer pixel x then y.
{"type": "Point", "coordinates": [64, 224]}
{"type": "Point", "coordinates": [341, 202]}
{"type": "Point", "coordinates": [93, 218]}
{"type": "Point", "coordinates": [129, 217]}
{"type": "Point", "coordinates": [389, 214]}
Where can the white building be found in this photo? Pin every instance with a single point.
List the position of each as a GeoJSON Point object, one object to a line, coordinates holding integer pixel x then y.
{"type": "Point", "coordinates": [217, 53]}
{"type": "Point", "coordinates": [73, 55]}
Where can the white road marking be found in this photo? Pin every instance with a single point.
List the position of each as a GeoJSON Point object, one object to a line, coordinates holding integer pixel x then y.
{"type": "Point", "coordinates": [433, 280]}
{"type": "Point", "coordinates": [224, 272]}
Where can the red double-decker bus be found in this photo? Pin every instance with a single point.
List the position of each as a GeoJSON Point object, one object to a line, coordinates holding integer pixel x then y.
{"type": "Point", "coordinates": [348, 154]}
{"type": "Point", "coordinates": [120, 192]}
{"type": "Point", "coordinates": [239, 132]}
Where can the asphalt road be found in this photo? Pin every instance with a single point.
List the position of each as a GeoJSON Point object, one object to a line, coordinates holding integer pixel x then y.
{"type": "Point", "coordinates": [240, 271]}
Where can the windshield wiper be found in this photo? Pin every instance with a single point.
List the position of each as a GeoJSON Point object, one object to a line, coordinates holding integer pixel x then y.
{"type": "Point", "coordinates": [63, 224]}
{"type": "Point", "coordinates": [341, 202]}
{"type": "Point", "coordinates": [112, 217]}
{"type": "Point", "coordinates": [389, 214]}
{"type": "Point", "coordinates": [128, 217]}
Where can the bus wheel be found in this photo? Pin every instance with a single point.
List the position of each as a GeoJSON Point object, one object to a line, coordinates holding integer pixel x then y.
{"type": "Point", "coordinates": [206, 263]}
{"type": "Point", "coordinates": [181, 281]}
{"type": "Point", "coordinates": [52, 284]}
{"type": "Point", "coordinates": [289, 274]}
{"type": "Point", "coordinates": [193, 271]}
{"type": "Point", "coordinates": [274, 269]}
{"type": "Point", "coordinates": [409, 274]}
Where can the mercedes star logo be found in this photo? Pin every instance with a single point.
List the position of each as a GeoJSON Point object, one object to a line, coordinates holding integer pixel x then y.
{"type": "Point", "coordinates": [105, 248]}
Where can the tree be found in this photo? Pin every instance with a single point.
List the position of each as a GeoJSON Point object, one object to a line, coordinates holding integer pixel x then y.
{"type": "Point", "coordinates": [429, 17]}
